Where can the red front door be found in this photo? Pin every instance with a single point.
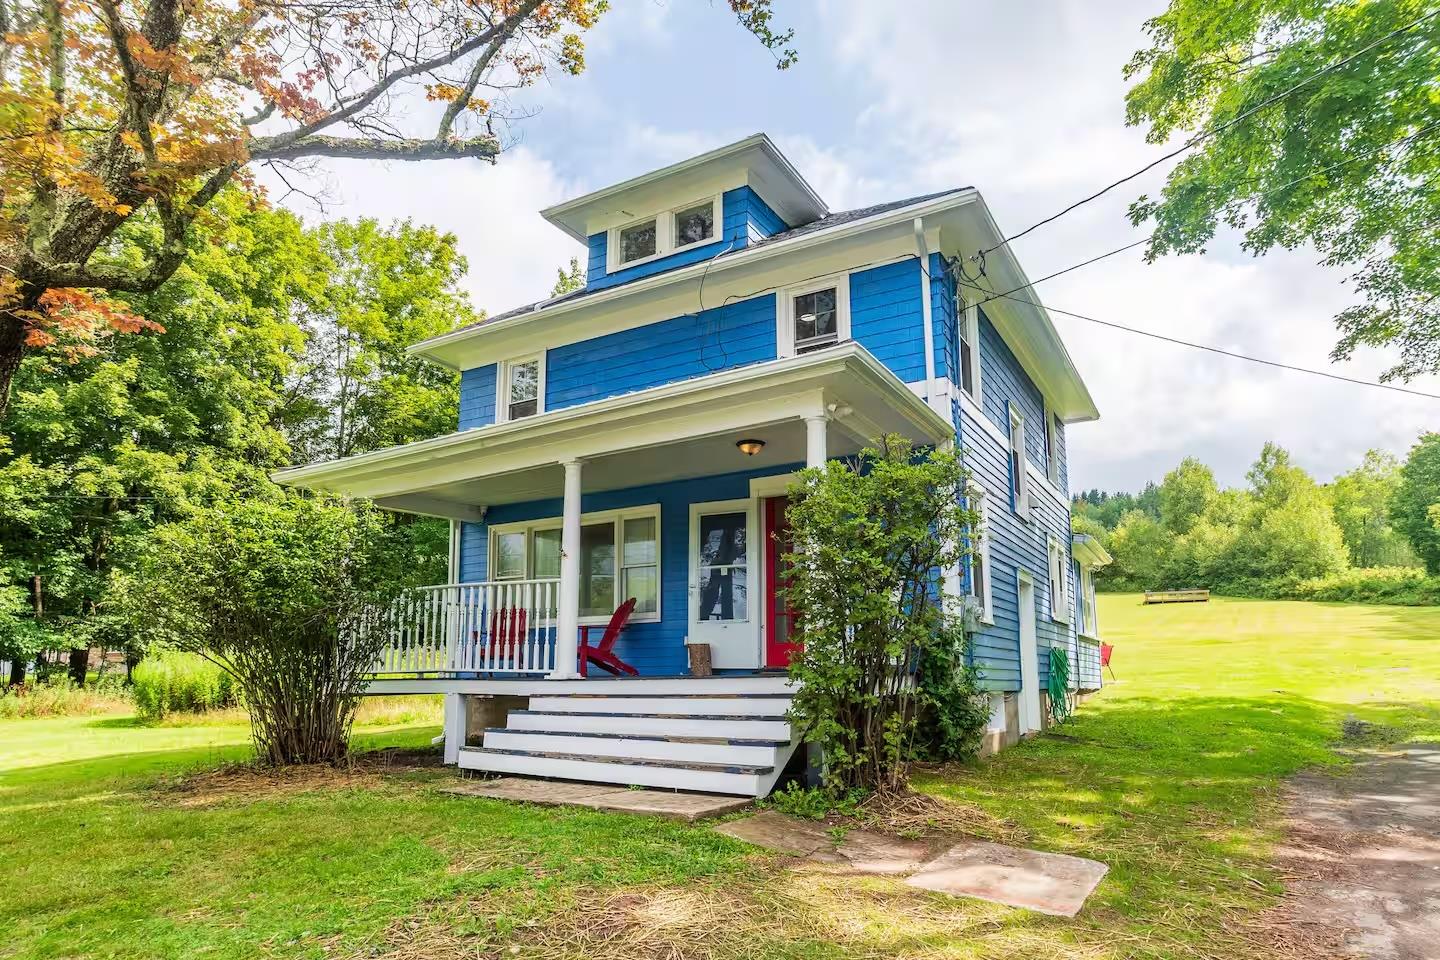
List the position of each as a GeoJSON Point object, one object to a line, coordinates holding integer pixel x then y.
{"type": "Point", "coordinates": [779, 620]}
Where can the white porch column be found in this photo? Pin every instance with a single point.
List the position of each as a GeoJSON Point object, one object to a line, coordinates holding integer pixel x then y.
{"type": "Point", "coordinates": [567, 639]}
{"type": "Point", "coordinates": [815, 441]}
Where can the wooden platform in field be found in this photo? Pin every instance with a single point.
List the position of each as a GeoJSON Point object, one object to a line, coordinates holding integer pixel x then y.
{"type": "Point", "coordinates": [1176, 596]}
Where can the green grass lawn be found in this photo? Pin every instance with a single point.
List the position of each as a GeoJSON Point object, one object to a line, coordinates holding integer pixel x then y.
{"type": "Point", "coordinates": [1172, 776]}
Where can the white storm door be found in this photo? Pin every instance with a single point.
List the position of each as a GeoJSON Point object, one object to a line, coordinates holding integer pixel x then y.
{"type": "Point", "coordinates": [1029, 658]}
{"type": "Point", "coordinates": [724, 588]}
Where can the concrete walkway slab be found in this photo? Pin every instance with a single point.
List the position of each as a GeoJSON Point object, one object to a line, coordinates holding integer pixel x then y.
{"type": "Point", "coordinates": [1050, 883]}
{"type": "Point", "coordinates": [775, 831]}
{"type": "Point", "coordinates": [876, 853]}
{"type": "Point", "coordinates": [607, 797]}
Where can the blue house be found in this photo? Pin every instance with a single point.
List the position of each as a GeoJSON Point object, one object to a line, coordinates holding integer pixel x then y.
{"type": "Point", "coordinates": [636, 437]}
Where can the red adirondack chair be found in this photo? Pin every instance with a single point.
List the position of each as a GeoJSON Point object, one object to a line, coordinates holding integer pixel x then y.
{"type": "Point", "coordinates": [1105, 651]}
{"type": "Point", "coordinates": [602, 654]}
{"type": "Point", "coordinates": [507, 632]}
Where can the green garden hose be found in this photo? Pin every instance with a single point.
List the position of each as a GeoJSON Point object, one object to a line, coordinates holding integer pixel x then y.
{"type": "Point", "coordinates": [1059, 684]}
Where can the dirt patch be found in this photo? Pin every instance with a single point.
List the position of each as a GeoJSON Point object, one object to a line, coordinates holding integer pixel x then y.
{"type": "Point", "coordinates": [1361, 859]}
{"type": "Point", "coordinates": [249, 781]}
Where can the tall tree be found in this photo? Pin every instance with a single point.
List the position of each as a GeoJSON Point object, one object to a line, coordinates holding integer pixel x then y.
{"type": "Point", "coordinates": [1415, 508]}
{"type": "Point", "coordinates": [110, 110]}
{"type": "Point", "coordinates": [1362, 500]}
{"type": "Point", "coordinates": [1321, 125]}
{"type": "Point", "coordinates": [1186, 494]}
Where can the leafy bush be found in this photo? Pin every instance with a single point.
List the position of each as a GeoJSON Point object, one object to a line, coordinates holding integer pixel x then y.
{"type": "Point", "coordinates": [953, 709]}
{"type": "Point", "coordinates": [1406, 586]}
{"type": "Point", "coordinates": [870, 535]}
{"type": "Point", "coordinates": [58, 697]}
{"type": "Point", "coordinates": [174, 682]}
{"type": "Point", "coordinates": [813, 803]}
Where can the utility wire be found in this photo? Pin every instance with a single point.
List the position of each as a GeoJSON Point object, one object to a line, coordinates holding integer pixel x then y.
{"type": "Point", "coordinates": [1204, 135]}
{"type": "Point", "coordinates": [1400, 144]}
{"type": "Point", "coordinates": [1222, 352]}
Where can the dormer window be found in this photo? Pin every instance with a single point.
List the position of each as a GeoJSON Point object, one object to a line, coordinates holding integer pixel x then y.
{"type": "Point", "coordinates": [814, 316]}
{"type": "Point", "coordinates": [676, 229]}
{"type": "Point", "coordinates": [638, 241]}
{"type": "Point", "coordinates": [522, 388]}
{"type": "Point", "coordinates": [694, 224]}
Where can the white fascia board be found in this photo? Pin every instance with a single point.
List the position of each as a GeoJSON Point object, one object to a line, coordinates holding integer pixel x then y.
{"type": "Point", "coordinates": [710, 269]}
{"type": "Point", "coordinates": [789, 377]}
{"type": "Point", "coordinates": [1088, 551]}
{"type": "Point", "coordinates": [1044, 356]}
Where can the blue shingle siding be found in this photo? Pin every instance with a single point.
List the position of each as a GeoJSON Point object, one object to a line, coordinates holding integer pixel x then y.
{"type": "Point", "coordinates": [694, 345]}
{"type": "Point", "coordinates": [942, 313]}
{"type": "Point", "coordinates": [658, 648]}
{"type": "Point", "coordinates": [745, 218]}
{"type": "Point", "coordinates": [1015, 545]}
{"type": "Point", "coordinates": [885, 312]}
{"type": "Point", "coordinates": [477, 397]}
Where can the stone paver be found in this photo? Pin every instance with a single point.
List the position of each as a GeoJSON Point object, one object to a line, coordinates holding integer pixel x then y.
{"type": "Point", "coordinates": [876, 853]}
{"type": "Point", "coordinates": [661, 803]}
{"type": "Point", "coordinates": [1051, 883]}
{"type": "Point", "coordinates": [775, 831]}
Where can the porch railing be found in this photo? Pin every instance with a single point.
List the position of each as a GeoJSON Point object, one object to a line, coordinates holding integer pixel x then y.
{"type": "Point", "coordinates": [500, 626]}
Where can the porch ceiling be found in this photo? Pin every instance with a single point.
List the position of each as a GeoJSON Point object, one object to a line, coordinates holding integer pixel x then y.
{"type": "Point", "coordinates": [673, 432]}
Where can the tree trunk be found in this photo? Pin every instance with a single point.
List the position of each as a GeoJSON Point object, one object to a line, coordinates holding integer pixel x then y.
{"type": "Point", "coordinates": [79, 664]}
{"type": "Point", "coordinates": [17, 671]}
{"type": "Point", "coordinates": [12, 351]}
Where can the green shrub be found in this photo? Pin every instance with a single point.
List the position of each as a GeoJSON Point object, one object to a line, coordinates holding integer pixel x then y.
{"type": "Point", "coordinates": [180, 682]}
{"type": "Point", "coordinates": [1407, 586]}
{"type": "Point", "coordinates": [59, 697]}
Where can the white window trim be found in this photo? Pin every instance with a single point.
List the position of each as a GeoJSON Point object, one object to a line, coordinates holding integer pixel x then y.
{"type": "Point", "coordinates": [1052, 444]}
{"type": "Point", "coordinates": [980, 543]}
{"type": "Point", "coordinates": [615, 517]}
{"type": "Point", "coordinates": [1022, 505]}
{"type": "Point", "coordinates": [1089, 625]}
{"type": "Point", "coordinates": [785, 310]}
{"type": "Point", "coordinates": [664, 233]}
{"type": "Point", "coordinates": [1059, 575]}
{"type": "Point", "coordinates": [969, 323]}
{"type": "Point", "coordinates": [502, 385]}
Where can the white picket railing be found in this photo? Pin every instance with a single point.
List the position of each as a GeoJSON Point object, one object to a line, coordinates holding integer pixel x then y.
{"type": "Point", "coordinates": [501, 626]}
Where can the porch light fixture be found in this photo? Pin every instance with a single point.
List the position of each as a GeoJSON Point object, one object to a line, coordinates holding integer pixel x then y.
{"type": "Point", "coordinates": [750, 447]}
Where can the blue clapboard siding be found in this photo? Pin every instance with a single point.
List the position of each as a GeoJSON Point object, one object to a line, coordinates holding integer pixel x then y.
{"type": "Point", "coordinates": [745, 219]}
{"type": "Point", "coordinates": [885, 316]}
{"type": "Point", "coordinates": [942, 313]}
{"type": "Point", "coordinates": [658, 648]}
{"type": "Point", "coordinates": [477, 397]}
{"type": "Point", "coordinates": [681, 348]}
{"type": "Point", "coordinates": [999, 367]}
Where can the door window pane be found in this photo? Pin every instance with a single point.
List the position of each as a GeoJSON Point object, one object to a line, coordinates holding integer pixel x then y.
{"type": "Point", "coordinates": [510, 556]}
{"type": "Point", "coordinates": [597, 570]}
{"type": "Point", "coordinates": [695, 224]}
{"type": "Point", "coordinates": [637, 242]}
{"type": "Point", "coordinates": [815, 320]}
{"type": "Point", "coordinates": [547, 554]}
{"type": "Point", "coordinates": [723, 567]}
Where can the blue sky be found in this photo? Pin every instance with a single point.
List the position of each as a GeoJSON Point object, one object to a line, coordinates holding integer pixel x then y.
{"type": "Point", "coordinates": [1023, 100]}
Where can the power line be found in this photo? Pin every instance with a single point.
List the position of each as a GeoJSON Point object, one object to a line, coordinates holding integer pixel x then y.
{"type": "Point", "coordinates": [1222, 352]}
{"type": "Point", "coordinates": [1400, 144]}
{"type": "Point", "coordinates": [1204, 135]}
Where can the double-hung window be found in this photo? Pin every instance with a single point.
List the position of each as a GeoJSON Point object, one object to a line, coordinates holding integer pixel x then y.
{"type": "Point", "coordinates": [1019, 478]}
{"type": "Point", "coordinates": [619, 558]}
{"type": "Point", "coordinates": [814, 316]}
{"type": "Point", "coordinates": [670, 231]}
{"type": "Point", "coordinates": [1059, 594]}
{"type": "Point", "coordinates": [969, 349]}
{"type": "Point", "coordinates": [522, 388]}
{"type": "Point", "coordinates": [977, 561]}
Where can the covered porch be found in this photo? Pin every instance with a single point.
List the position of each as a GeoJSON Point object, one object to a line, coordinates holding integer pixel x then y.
{"type": "Point", "coordinates": [559, 517]}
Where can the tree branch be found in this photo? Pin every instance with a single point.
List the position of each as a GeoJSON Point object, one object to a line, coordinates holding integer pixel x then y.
{"type": "Point", "coordinates": [452, 110]}
{"type": "Point", "coordinates": [351, 148]}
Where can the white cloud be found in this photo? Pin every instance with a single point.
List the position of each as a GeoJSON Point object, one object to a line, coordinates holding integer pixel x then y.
{"type": "Point", "coordinates": [492, 210]}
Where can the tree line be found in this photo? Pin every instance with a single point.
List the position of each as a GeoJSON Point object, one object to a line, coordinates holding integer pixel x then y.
{"type": "Point", "coordinates": [272, 344]}
{"type": "Point", "coordinates": [1376, 526]}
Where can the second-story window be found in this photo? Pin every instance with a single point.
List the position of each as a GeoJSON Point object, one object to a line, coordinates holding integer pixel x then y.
{"type": "Point", "coordinates": [639, 240]}
{"type": "Point", "coordinates": [1019, 478]}
{"type": "Point", "coordinates": [1052, 448]}
{"type": "Point", "coordinates": [814, 316]}
{"type": "Point", "coordinates": [521, 387]}
{"type": "Point", "coordinates": [970, 351]}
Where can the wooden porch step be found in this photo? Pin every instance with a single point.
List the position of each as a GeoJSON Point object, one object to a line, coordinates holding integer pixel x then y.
{"type": "Point", "coordinates": [714, 741]}
{"type": "Point", "coordinates": [658, 724]}
{"type": "Point", "coordinates": [740, 780]}
{"type": "Point", "coordinates": [750, 769]}
{"type": "Point", "coordinates": [715, 750]}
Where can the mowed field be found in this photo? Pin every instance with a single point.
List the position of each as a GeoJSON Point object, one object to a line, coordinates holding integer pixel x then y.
{"type": "Point", "coordinates": [116, 842]}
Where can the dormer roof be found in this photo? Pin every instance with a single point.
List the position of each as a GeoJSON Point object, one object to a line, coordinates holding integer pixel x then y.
{"type": "Point", "coordinates": [754, 161]}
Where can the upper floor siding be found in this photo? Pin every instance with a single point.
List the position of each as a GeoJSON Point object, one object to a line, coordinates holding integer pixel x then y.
{"type": "Point", "coordinates": [745, 219]}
